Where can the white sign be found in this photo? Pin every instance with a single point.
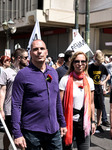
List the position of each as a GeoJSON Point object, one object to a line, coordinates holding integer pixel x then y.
{"type": "Point", "coordinates": [79, 44]}
{"type": "Point", "coordinates": [108, 43]}
{"type": "Point", "coordinates": [8, 52]}
{"type": "Point", "coordinates": [17, 46]}
{"type": "Point", "coordinates": [34, 36]}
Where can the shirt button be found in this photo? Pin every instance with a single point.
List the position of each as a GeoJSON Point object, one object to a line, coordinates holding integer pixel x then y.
{"type": "Point", "coordinates": [48, 129]}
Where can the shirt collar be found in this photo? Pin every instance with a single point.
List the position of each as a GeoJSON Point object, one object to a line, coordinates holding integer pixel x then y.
{"type": "Point", "coordinates": [64, 65]}
{"type": "Point", "coordinates": [31, 65]}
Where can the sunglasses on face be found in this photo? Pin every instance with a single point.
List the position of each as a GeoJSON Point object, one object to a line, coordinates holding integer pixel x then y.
{"type": "Point", "coordinates": [7, 60]}
{"type": "Point", "coordinates": [25, 58]}
{"type": "Point", "coordinates": [79, 61]}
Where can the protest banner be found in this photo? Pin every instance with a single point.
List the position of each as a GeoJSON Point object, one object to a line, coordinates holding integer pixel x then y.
{"type": "Point", "coordinates": [34, 36]}
{"type": "Point", "coordinates": [79, 44]}
{"type": "Point", "coordinates": [8, 52]}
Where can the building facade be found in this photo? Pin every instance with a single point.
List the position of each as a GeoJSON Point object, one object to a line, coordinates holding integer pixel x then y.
{"type": "Point", "coordinates": [56, 19]}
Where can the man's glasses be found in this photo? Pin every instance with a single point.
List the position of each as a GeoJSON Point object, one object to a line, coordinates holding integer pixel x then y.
{"type": "Point", "coordinates": [7, 60]}
{"type": "Point", "coordinates": [25, 58]}
{"type": "Point", "coordinates": [79, 61]}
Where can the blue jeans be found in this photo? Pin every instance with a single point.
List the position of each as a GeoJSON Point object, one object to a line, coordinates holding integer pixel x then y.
{"type": "Point", "coordinates": [38, 140]}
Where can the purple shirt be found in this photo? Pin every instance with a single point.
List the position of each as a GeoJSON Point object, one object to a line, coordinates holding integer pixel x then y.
{"type": "Point", "coordinates": [36, 103]}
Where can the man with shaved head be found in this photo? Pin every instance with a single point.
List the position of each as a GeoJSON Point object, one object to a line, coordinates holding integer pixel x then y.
{"type": "Point", "coordinates": [37, 119]}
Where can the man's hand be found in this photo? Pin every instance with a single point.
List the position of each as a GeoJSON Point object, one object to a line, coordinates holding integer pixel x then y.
{"type": "Point", "coordinates": [93, 128]}
{"type": "Point", "coordinates": [102, 82]}
{"type": "Point", "coordinates": [20, 142]}
{"type": "Point", "coordinates": [3, 114]}
{"type": "Point", "coordinates": [63, 131]}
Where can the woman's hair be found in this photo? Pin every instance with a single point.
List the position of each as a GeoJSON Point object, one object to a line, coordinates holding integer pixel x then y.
{"type": "Point", "coordinates": [71, 67]}
{"type": "Point", "coordinates": [4, 59]}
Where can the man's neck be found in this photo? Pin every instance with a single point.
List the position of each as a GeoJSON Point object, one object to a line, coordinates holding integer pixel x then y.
{"type": "Point", "coordinates": [97, 64]}
{"type": "Point", "coordinates": [40, 65]}
{"type": "Point", "coordinates": [67, 63]}
{"type": "Point", "coordinates": [16, 65]}
{"type": "Point", "coordinates": [21, 67]}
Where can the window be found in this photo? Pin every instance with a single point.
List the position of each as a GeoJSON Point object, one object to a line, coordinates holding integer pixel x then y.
{"type": "Point", "coordinates": [40, 4]}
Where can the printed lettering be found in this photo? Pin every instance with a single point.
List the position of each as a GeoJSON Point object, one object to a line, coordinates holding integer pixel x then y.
{"type": "Point", "coordinates": [78, 44]}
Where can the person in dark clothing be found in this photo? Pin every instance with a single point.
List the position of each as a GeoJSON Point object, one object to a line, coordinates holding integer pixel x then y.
{"type": "Point", "coordinates": [64, 68]}
{"type": "Point", "coordinates": [96, 71]}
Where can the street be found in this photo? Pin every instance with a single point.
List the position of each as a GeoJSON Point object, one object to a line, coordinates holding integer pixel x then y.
{"type": "Point", "coordinates": [99, 141]}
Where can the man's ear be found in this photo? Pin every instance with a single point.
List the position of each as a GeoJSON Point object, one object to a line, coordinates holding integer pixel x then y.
{"type": "Point", "coordinates": [3, 63]}
{"type": "Point", "coordinates": [69, 59]}
{"type": "Point", "coordinates": [19, 57]}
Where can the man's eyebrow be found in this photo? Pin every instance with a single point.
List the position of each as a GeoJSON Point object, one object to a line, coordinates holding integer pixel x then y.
{"type": "Point", "coordinates": [36, 48]}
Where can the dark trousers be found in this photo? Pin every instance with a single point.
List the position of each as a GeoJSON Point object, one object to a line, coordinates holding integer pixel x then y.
{"type": "Point", "coordinates": [104, 114]}
{"type": "Point", "coordinates": [82, 143]}
{"type": "Point", "coordinates": [38, 140]}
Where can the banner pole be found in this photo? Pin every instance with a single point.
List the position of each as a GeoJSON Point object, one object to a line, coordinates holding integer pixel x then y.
{"type": "Point", "coordinates": [7, 132]}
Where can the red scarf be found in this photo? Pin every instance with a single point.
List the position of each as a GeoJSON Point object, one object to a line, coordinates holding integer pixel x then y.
{"type": "Point", "coordinates": [68, 106]}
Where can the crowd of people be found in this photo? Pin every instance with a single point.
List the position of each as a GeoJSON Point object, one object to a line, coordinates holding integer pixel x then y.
{"type": "Point", "coordinates": [40, 102]}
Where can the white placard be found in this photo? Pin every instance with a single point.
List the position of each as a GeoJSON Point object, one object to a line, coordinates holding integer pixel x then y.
{"type": "Point", "coordinates": [7, 52]}
{"type": "Point", "coordinates": [108, 43]}
{"type": "Point", "coordinates": [79, 44]}
{"type": "Point", "coordinates": [35, 35]}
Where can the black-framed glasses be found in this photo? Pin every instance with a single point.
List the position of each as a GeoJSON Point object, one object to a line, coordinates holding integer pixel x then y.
{"type": "Point", "coordinates": [25, 58]}
{"type": "Point", "coordinates": [79, 61]}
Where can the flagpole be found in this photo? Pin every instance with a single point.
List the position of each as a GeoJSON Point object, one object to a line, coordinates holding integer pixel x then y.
{"type": "Point", "coordinates": [7, 132]}
{"type": "Point", "coordinates": [87, 24]}
{"type": "Point", "coordinates": [76, 14]}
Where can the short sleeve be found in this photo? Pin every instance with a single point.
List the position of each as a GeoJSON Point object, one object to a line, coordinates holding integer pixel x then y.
{"type": "Point", "coordinates": [91, 83]}
{"type": "Point", "coordinates": [3, 78]}
{"type": "Point", "coordinates": [63, 82]}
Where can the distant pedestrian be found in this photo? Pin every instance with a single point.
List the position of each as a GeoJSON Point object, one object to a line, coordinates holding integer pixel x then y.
{"type": "Point", "coordinates": [50, 61]}
{"type": "Point", "coordinates": [64, 68]}
{"type": "Point", "coordinates": [59, 61]}
{"type": "Point", "coordinates": [5, 61]}
{"type": "Point", "coordinates": [111, 113]}
{"type": "Point", "coordinates": [96, 71]}
{"type": "Point", "coordinates": [109, 68]}
{"type": "Point", "coordinates": [6, 82]}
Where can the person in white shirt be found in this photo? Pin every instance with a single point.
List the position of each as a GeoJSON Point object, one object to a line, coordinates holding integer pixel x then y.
{"type": "Point", "coordinates": [77, 95]}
